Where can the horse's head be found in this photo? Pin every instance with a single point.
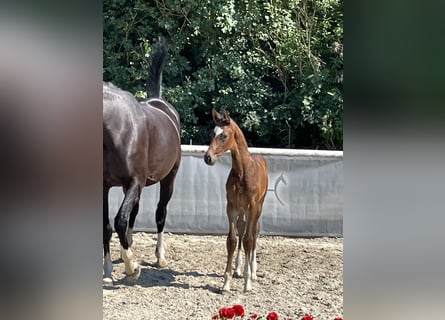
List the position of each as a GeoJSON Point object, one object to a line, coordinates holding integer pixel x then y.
{"type": "Point", "coordinates": [223, 138]}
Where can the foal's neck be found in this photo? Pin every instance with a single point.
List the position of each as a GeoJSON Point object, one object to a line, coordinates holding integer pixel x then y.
{"type": "Point", "coordinates": [240, 152]}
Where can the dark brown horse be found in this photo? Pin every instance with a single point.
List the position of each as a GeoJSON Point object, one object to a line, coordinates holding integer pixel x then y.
{"type": "Point", "coordinates": [141, 146]}
{"type": "Point", "coordinates": [246, 189]}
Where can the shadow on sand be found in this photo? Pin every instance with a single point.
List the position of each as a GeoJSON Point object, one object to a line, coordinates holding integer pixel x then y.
{"type": "Point", "coordinates": [154, 276]}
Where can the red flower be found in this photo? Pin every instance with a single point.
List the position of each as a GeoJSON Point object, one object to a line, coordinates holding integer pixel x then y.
{"type": "Point", "coordinates": [239, 310]}
{"type": "Point", "coordinates": [338, 318]}
{"type": "Point", "coordinates": [227, 313]}
{"type": "Point", "coordinates": [272, 316]}
{"type": "Point", "coordinates": [254, 316]}
{"type": "Point", "coordinates": [214, 317]}
{"type": "Point", "coordinates": [307, 317]}
{"type": "Point", "coordinates": [230, 313]}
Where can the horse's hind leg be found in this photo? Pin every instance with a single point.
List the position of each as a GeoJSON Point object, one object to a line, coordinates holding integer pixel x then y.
{"type": "Point", "coordinates": [133, 215]}
{"type": "Point", "coordinates": [249, 244]}
{"type": "Point", "coordinates": [121, 225]}
{"type": "Point", "coordinates": [166, 191]}
{"type": "Point", "coordinates": [129, 233]}
{"type": "Point", "coordinates": [255, 239]}
{"type": "Point", "coordinates": [107, 232]}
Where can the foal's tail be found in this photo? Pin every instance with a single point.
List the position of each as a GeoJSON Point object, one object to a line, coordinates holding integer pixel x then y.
{"type": "Point", "coordinates": [157, 63]}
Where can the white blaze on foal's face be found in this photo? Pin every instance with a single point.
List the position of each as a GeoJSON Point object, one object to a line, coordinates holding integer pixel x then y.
{"type": "Point", "coordinates": [218, 131]}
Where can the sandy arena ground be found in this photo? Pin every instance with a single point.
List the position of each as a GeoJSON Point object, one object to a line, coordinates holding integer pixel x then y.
{"type": "Point", "coordinates": [295, 276]}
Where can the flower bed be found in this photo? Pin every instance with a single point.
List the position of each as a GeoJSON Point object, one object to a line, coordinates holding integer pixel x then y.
{"type": "Point", "coordinates": [237, 312]}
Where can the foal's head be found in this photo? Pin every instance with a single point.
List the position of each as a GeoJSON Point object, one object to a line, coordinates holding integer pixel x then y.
{"type": "Point", "coordinates": [223, 137]}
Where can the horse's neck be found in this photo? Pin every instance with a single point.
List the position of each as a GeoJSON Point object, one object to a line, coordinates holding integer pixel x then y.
{"type": "Point", "coordinates": [240, 154]}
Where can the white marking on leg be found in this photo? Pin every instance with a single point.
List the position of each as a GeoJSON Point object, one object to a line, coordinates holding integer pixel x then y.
{"type": "Point", "coordinates": [108, 267]}
{"type": "Point", "coordinates": [126, 254]}
{"type": "Point", "coordinates": [218, 131]}
{"type": "Point", "coordinates": [160, 250]}
{"type": "Point", "coordinates": [131, 266]}
{"type": "Point", "coordinates": [227, 278]}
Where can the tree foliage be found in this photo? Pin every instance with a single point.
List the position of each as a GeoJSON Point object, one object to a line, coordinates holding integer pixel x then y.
{"type": "Point", "coordinates": [275, 65]}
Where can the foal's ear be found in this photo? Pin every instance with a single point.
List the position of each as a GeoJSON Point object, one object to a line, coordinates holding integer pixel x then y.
{"type": "Point", "coordinates": [226, 117]}
{"type": "Point", "coordinates": [220, 120]}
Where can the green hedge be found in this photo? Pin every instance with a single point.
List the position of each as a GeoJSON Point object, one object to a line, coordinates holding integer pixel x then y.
{"type": "Point", "coordinates": [276, 66]}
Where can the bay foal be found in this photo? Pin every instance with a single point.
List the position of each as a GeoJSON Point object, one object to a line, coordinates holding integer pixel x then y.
{"type": "Point", "coordinates": [246, 189]}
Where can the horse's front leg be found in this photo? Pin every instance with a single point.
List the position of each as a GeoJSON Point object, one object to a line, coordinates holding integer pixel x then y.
{"type": "Point", "coordinates": [241, 224]}
{"type": "Point", "coordinates": [231, 246]}
{"type": "Point", "coordinates": [131, 199]}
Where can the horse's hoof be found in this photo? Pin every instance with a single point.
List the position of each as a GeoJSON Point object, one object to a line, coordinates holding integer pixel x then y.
{"type": "Point", "coordinates": [132, 267]}
{"type": "Point", "coordinates": [224, 291]}
{"type": "Point", "coordinates": [247, 287]}
{"type": "Point", "coordinates": [107, 281]}
{"type": "Point", "coordinates": [135, 275]}
{"type": "Point", "coordinates": [161, 263]}
{"type": "Point", "coordinates": [237, 274]}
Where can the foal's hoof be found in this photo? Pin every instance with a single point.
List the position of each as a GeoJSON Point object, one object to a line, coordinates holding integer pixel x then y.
{"type": "Point", "coordinates": [237, 274]}
{"type": "Point", "coordinates": [224, 291]}
{"type": "Point", "coordinates": [107, 281]}
{"type": "Point", "coordinates": [161, 263]}
{"type": "Point", "coordinates": [247, 288]}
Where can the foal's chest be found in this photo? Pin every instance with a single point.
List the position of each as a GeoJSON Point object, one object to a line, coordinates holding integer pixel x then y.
{"type": "Point", "coordinates": [238, 193]}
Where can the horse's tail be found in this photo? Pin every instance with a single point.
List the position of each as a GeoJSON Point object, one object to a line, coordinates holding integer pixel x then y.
{"type": "Point", "coordinates": [157, 63]}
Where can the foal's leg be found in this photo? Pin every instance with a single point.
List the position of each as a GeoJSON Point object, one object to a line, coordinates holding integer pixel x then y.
{"type": "Point", "coordinates": [253, 228]}
{"type": "Point", "coordinates": [248, 248]}
{"type": "Point", "coordinates": [166, 191]}
{"type": "Point", "coordinates": [255, 238]}
{"type": "Point", "coordinates": [231, 246]}
{"type": "Point", "coordinates": [255, 235]}
{"type": "Point", "coordinates": [107, 232]}
{"type": "Point", "coordinates": [241, 224]}
{"type": "Point", "coordinates": [131, 198]}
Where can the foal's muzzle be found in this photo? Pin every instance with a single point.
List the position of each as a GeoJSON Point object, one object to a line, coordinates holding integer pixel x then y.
{"type": "Point", "coordinates": [208, 159]}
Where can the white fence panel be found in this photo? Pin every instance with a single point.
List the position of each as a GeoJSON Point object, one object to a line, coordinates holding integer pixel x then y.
{"type": "Point", "coordinates": [305, 195]}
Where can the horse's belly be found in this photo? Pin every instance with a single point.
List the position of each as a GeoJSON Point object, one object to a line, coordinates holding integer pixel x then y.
{"type": "Point", "coordinates": [160, 165]}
